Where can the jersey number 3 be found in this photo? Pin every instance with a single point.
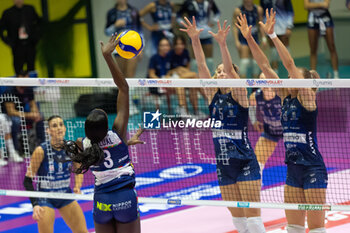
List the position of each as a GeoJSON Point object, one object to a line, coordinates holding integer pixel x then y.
{"type": "Point", "coordinates": [108, 159]}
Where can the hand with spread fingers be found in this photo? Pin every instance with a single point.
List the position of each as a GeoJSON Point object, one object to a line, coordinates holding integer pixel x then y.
{"type": "Point", "coordinates": [222, 33]}
{"type": "Point", "coordinates": [109, 47]}
{"type": "Point", "coordinates": [242, 25]}
{"type": "Point", "coordinates": [191, 28]}
{"type": "Point", "coordinates": [269, 26]}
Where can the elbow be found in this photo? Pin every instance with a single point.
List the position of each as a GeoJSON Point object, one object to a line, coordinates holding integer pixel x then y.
{"type": "Point", "coordinates": [289, 64]}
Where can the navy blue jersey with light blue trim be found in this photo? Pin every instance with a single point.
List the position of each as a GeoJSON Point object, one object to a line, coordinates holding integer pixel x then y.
{"type": "Point", "coordinates": [252, 19]}
{"type": "Point", "coordinates": [116, 170]}
{"type": "Point", "coordinates": [162, 16]}
{"type": "Point", "coordinates": [231, 139]}
{"type": "Point", "coordinates": [299, 133]}
{"type": "Point", "coordinates": [178, 60]}
{"type": "Point", "coordinates": [271, 112]}
{"type": "Point", "coordinates": [130, 15]}
{"type": "Point", "coordinates": [54, 171]}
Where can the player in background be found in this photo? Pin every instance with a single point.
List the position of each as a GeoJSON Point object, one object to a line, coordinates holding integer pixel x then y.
{"type": "Point", "coordinates": [120, 18]}
{"type": "Point", "coordinates": [201, 10]}
{"type": "Point", "coordinates": [53, 167]}
{"type": "Point", "coordinates": [237, 167]}
{"type": "Point", "coordinates": [267, 104]}
{"type": "Point", "coordinates": [254, 15]}
{"type": "Point", "coordinates": [306, 171]}
{"type": "Point", "coordinates": [105, 152]}
{"type": "Point", "coordinates": [163, 16]}
{"type": "Point", "coordinates": [320, 22]}
{"type": "Point", "coordinates": [284, 25]}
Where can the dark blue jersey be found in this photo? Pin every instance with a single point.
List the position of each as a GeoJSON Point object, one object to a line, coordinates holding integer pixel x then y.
{"type": "Point", "coordinates": [178, 60]}
{"type": "Point", "coordinates": [162, 16]}
{"type": "Point", "coordinates": [252, 19]}
{"type": "Point", "coordinates": [231, 139]}
{"type": "Point", "coordinates": [271, 112]}
{"type": "Point", "coordinates": [130, 15]}
{"type": "Point", "coordinates": [202, 12]}
{"type": "Point", "coordinates": [160, 64]}
{"type": "Point", "coordinates": [116, 170]}
{"type": "Point", "coordinates": [54, 171]}
{"type": "Point", "coordinates": [299, 134]}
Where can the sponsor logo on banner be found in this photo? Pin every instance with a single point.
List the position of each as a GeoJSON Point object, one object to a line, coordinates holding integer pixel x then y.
{"type": "Point", "coordinates": [322, 83]}
{"type": "Point", "coordinates": [151, 120]}
{"type": "Point", "coordinates": [104, 82]}
{"type": "Point", "coordinates": [208, 83]}
{"type": "Point", "coordinates": [314, 207]}
{"type": "Point", "coordinates": [42, 81]}
{"type": "Point", "coordinates": [243, 204]}
{"type": "Point", "coordinates": [155, 82]}
{"type": "Point", "coordinates": [52, 81]}
{"type": "Point", "coordinates": [252, 82]}
{"type": "Point", "coordinates": [174, 202]}
{"type": "Point", "coordinates": [4, 81]}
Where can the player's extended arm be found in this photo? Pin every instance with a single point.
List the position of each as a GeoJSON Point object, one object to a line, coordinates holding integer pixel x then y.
{"type": "Point", "coordinates": [78, 180]}
{"type": "Point", "coordinates": [283, 52]}
{"type": "Point", "coordinates": [193, 33]}
{"type": "Point", "coordinates": [135, 138]}
{"type": "Point", "coordinates": [121, 122]}
{"type": "Point", "coordinates": [146, 10]}
{"type": "Point", "coordinates": [258, 54]}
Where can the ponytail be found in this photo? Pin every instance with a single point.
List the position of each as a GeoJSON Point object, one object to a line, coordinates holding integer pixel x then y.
{"type": "Point", "coordinates": [92, 155]}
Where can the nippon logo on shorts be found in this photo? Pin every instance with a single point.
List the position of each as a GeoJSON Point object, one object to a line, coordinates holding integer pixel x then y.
{"type": "Point", "coordinates": [152, 120]}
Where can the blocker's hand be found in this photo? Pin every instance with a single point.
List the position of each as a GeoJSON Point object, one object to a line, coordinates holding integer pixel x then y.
{"type": "Point", "coordinates": [38, 212]}
{"type": "Point", "coordinates": [109, 47]}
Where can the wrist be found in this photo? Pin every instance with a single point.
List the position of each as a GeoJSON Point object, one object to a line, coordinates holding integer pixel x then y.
{"type": "Point", "coordinates": [272, 35]}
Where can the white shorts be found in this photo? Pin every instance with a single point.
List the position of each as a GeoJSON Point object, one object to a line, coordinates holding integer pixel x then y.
{"type": "Point", "coordinates": [5, 123]}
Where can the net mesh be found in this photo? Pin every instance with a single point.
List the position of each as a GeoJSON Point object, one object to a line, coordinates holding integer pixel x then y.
{"type": "Point", "coordinates": [178, 160]}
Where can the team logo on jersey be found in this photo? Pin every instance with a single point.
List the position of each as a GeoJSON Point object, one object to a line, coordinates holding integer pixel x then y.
{"type": "Point", "coordinates": [151, 120]}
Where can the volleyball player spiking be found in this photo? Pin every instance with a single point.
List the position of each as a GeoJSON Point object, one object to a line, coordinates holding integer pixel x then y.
{"type": "Point", "coordinates": [237, 167]}
{"type": "Point", "coordinates": [306, 171]}
{"type": "Point", "coordinates": [105, 152]}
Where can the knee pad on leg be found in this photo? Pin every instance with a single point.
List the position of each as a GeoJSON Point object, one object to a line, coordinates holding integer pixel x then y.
{"type": "Point", "coordinates": [240, 224]}
{"type": "Point", "coordinates": [243, 66]}
{"type": "Point", "coordinates": [318, 230]}
{"type": "Point", "coordinates": [291, 228]}
{"type": "Point", "coordinates": [255, 224]}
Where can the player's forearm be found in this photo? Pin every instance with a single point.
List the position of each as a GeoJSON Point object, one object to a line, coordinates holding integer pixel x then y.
{"type": "Point", "coordinates": [284, 54]}
{"type": "Point", "coordinates": [258, 54]}
{"type": "Point", "coordinates": [79, 178]}
{"type": "Point", "coordinates": [227, 61]}
{"type": "Point", "coordinates": [200, 58]}
{"type": "Point", "coordinates": [117, 75]}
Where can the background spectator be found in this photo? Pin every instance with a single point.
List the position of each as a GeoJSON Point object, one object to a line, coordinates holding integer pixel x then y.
{"type": "Point", "coordinates": [254, 14]}
{"type": "Point", "coordinates": [158, 67]}
{"type": "Point", "coordinates": [348, 4]}
{"type": "Point", "coordinates": [283, 27]}
{"type": "Point", "coordinates": [320, 22]}
{"type": "Point", "coordinates": [21, 24]}
{"type": "Point", "coordinates": [201, 10]}
{"type": "Point", "coordinates": [120, 18]}
{"type": "Point", "coordinates": [163, 16]}
{"type": "Point", "coordinates": [5, 127]}
{"type": "Point", "coordinates": [32, 115]}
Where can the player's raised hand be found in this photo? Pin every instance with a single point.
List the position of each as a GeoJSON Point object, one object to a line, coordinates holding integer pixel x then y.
{"type": "Point", "coordinates": [109, 47]}
{"type": "Point", "coordinates": [135, 138]}
{"type": "Point", "coordinates": [242, 25]}
{"type": "Point", "coordinates": [222, 33]}
{"type": "Point", "coordinates": [38, 212]}
{"type": "Point", "coordinates": [269, 26]}
{"type": "Point", "coordinates": [191, 28]}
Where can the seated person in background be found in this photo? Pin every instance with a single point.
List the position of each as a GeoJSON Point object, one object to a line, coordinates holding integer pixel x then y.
{"type": "Point", "coordinates": [5, 127]}
{"type": "Point", "coordinates": [158, 67]}
{"type": "Point", "coordinates": [25, 96]}
{"type": "Point", "coordinates": [180, 68]}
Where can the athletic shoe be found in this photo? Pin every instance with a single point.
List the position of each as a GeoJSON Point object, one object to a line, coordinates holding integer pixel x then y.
{"type": "Point", "coordinates": [14, 157]}
{"type": "Point", "coordinates": [3, 162]}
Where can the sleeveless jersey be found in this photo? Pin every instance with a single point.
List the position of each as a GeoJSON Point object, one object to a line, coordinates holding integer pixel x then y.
{"type": "Point", "coordinates": [318, 11]}
{"type": "Point", "coordinates": [116, 170]}
{"type": "Point", "coordinates": [162, 16]}
{"type": "Point", "coordinates": [54, 171]}
{"type": "Point", "coordinates": [252, 19]}
{"type": "Point", "coordinates": [231, 140]}
{"type": "Point", "coordinates": [271, 112]}
{"type": "Point", "coordinates": [299, 133]}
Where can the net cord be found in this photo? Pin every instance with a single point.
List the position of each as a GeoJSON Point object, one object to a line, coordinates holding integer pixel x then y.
{"type": "Point", "coordinates": [179, 202]}
{"type": "Point", "coordinates": [135, 82]}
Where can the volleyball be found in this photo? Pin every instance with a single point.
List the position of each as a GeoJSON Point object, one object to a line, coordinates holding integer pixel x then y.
{"type": "Point", "coordinates": [130, 44]}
